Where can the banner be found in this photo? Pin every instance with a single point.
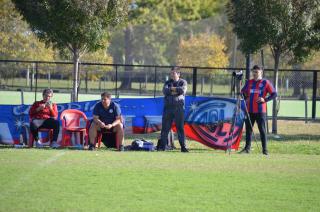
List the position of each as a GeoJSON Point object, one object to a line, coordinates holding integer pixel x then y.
{"type": "Point", "coordinates": [212, 121]}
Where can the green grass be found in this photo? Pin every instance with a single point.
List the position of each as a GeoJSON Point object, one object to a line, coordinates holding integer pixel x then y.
{"type": "Point", "coordinates": [203, 180]}
{"type": "Point", "coordinates": [14, 97]}
{"type": "Point", "coordinates": [64, 180]}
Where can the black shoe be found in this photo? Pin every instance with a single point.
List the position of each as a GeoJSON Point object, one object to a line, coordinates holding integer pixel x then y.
{"type": "Point", "coordinates": [160, 148]}
{"type": "Point", "coordinates": [244, 151]}
{"type": "Point", "coordinates": [91, 147]}
{"type": "Point", "coordinates": [265, 152]}
{"type": "Point", "coordinates": [121, 149]}
{"type": "Point", "coordinates": [183, 149]}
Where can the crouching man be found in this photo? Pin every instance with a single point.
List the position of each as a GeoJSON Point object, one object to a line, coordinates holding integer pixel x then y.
{"type": "Point", "coordinates": [106, 118]}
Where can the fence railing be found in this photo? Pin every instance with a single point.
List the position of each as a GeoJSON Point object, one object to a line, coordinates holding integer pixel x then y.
{"type": "Point", "coordinates": [147, 80]}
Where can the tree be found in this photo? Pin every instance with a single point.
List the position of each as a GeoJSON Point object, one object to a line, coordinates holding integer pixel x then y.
{"type": "Point", "coordinates": [151, 36]}
{"type": "Point", "coordinates": [17, 41]}
{"type": "Point", "coordinates": [202, 50]}
{"type": "Point", "coordinates": [77, 25]}
{"type": "Point", "coordinates": [287, 26]}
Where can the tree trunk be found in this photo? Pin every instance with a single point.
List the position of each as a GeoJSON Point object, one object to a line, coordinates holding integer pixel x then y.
{"type": "Point", "coordinates": [74, 95]}
{"type": "Point", "coordinates": [126, 82]}
{"type": "Point", "coordinates": [275, 82]}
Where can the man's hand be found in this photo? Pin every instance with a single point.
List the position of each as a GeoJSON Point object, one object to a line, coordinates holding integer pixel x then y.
{"type": "Point", "coordinates": [173, 90]}
{"type": "Point", "coordinates": [101, 124]}
{"type": "Point", "coordinates": [108, 126]}
{"type": "Point", "coordinates": [261, 100]}
{"type": "Point", "coordinates": [50, 105]}
{"type": "Point", "coordinates": [41, 107]}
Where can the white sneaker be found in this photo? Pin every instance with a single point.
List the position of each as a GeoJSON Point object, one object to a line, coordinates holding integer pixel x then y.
{"type": "Point", "coordinates": [55, 145]}
{"type": "Point", "coordinates": [39, 144]}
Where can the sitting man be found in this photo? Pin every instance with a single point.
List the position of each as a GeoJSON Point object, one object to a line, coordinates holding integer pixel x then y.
{"type": "Point", "coordinates": [43, 114]}
{"type": "Point", "coordinates": [106, 118]}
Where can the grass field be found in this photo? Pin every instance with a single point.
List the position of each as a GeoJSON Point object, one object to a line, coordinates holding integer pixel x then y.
{"type": "Point", "coordinates": [293, 108]}
{"type": "Point", "coordinates": [202, 180]}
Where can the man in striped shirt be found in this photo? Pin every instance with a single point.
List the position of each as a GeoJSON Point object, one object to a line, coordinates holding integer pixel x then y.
{"type": "Point", "coordinates": [257, 92]}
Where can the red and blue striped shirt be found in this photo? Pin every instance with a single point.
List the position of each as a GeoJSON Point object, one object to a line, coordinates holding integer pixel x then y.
{"type": "Point", "coordinates": [253, 89]}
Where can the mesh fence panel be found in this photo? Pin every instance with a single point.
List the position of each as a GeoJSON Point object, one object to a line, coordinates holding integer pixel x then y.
{"type": "Point", "coordinates": [294, 86]}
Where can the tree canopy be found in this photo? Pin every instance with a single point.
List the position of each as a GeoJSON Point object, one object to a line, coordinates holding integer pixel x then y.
{"type": "Point", "coordinates": [78, 25]}
{"type": "Point", "coordinates": [157, 27]}
{"type": "Point", "coordinates": [17, 40]}
{"type": "Point", "coordinates": [287, 26]}
{"type": "Point", "coordinates": [203, 50]}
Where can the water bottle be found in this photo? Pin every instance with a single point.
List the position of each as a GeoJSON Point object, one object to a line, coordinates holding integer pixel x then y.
{"type": "Point", "coordinates": [21, 144]}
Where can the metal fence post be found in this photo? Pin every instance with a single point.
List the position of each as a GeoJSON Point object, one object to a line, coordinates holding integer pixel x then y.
{"type": "Point", "coordinates": [32, 77]}
{"type": "Point", "coordinates": [314, 94]}
{"type": "Point", "coordinates": [116, 89]}
{"type": "Point", "coordinates": [22, 96]}
{"type": "Point", "coordinates": [36, 87]}
{"type": "Point", "coordinates": [86, 80]}
{"type": "Point", "coordinates": [194, 82]}
{"type": "Point", "coordinates": [306, 108]}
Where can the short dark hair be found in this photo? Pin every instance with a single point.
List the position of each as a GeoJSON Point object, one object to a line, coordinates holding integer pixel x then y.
{"type": "Point", "coordinates": [256, 67]}
{"type": "Point", "coordinates": [106, 94]}
{"type": "Point", "coordinates": [47, 90]}
{"type": "Point", "coordinates": [176, 69]}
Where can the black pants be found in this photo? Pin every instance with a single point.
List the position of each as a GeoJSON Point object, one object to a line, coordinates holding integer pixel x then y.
{"type": "Point", "coordinates": [260, 118]}
{"type": "Point", "coordinates": [49, 123]}
{"type": "Point", "coordinates": [171, 114]}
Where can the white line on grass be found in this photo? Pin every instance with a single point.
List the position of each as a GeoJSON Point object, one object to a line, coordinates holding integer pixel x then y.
{"type": "Point", "coordinates": [9, 191]}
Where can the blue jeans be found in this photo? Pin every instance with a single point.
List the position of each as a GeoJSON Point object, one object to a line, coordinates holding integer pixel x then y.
{"type": "Point", "coordinates": [169, 115]}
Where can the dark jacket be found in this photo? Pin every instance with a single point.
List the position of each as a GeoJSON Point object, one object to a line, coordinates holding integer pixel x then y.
{"type": "Point", "coordinates": [174, 98]}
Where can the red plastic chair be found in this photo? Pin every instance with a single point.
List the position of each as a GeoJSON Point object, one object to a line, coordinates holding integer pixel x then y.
{"type": "Point", "coordinates": [73, 121]}
{"type": "Point", "coordinates": [49, 138]}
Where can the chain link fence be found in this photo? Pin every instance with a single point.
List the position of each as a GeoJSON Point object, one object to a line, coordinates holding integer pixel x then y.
{"type": "Point", "coordinates": [296, 88]}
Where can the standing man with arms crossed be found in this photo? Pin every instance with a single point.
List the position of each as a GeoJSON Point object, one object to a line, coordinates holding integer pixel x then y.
{"type": "Point", "coordinates": [174, 91]}
{"type": "Point", "coordinates": [255, 92]}
{"type": "Point", "coordinates": [106, 117]}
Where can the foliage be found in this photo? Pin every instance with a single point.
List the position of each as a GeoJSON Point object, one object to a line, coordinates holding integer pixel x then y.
{"type": "Point", "coordinates": [157, 28]}
{"type": "Point", "coordinates": [78, 25]}
{"type": "Point", "coordinates": [287, 26]}
{"type": "Point", "coordinates": [314, 62]}
{"type": "Point", "coordinates": [284, 25]}
{"type": "Point", "coordinates": [70, 24]}
{"type": "Point", "coordinates": [100, 56]}
{"type": "Point", "coordinates": [202, 50]}
{"type": "Point", "coordinates": [17, 40]}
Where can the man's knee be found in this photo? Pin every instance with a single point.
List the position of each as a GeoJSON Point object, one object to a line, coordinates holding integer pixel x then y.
{"type": "Point", "coordinates": [118, 128]}
{"type": "Point", "coordinates": [93, 128]}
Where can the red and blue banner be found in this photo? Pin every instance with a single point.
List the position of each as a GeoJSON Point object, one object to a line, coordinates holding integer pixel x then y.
{"type": "Point", "coordinates": [213, 121]}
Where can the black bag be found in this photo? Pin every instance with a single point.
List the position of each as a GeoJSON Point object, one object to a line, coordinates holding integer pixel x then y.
{"type": "Point", "coordinates": [142, 145]}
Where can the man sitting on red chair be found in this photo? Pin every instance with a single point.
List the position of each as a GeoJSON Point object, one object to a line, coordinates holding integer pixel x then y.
{"type": "Point", "coordinates": [106, 118]}
{"type": "Point", "coordinates": [43, 114]}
